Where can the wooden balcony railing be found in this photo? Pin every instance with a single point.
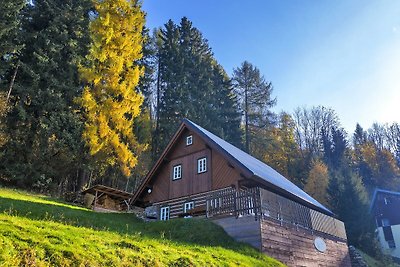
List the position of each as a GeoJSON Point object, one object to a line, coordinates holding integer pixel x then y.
{"type": "Point", "coordinates": [263, 204]}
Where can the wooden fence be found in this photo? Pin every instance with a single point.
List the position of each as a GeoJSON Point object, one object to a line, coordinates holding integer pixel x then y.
{"type": "Point", "coordinates": [235, 203]}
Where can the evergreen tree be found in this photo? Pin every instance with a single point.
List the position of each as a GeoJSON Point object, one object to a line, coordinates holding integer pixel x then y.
{"type": "Point", "coordinates": [109, 98]}
{"type": "Point", "coordinates": [192, 85]}
{"type": "Point", "coordinates": [10, 20]}
{"type": "Point", "coordinates": [256, 100]}
{"type": "Point", "coordinates": [45, 147]}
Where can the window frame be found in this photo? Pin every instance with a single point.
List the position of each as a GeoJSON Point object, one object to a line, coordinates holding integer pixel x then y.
{"type": "Point", "coordinates": [199, 164]}
{"type": "Point", "coordinates": [189, 137]}
{"type": "Point", "coordinates": [188, 204]}
{"type": "Point", "coordinates": [164, 213]}
{"type": "Point", "coordinates": [174, 178]}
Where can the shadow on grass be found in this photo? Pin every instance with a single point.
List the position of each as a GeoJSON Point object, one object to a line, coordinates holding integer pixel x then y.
{"type": "Point", "coordinates": [200, 232]}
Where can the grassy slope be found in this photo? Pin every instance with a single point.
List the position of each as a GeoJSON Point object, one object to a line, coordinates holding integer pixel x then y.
{"type": "Point", "coordinates": [38, 231]}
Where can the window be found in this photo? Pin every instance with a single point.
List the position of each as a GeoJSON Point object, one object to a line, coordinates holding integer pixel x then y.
{"type": "Point", "coordinates": [188, 206]}
{"type": "Point", "coordinates": [177, 172]}
{"type": "Point", "coordinates": [164, 214]}
{"type": "Point", "coordinates": [201, 165]}
{"type": "Point", "coordinates": [189, 140]}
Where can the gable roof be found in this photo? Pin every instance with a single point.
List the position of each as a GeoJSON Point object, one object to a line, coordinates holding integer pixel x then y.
{"type": "Point", "coordinates": [252, 168]}
{"type": "Point", "coordinates": [378, 191]}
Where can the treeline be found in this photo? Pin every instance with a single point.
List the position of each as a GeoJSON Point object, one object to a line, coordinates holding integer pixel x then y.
{"type": "Point", "coordinates": [86, 100]}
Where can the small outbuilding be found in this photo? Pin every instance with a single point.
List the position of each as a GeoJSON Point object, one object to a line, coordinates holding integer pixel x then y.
{"type": "Point", "coordinates": [107, 199]}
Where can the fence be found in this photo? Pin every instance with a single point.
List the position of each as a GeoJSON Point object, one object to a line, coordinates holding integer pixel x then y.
{"type": "Point", "coordinates": [264, 204]}
{"type": "Point", "coordinates": [233, 202]}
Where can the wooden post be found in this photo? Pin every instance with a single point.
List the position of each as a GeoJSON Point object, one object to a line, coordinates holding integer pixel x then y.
{"type": "Point", "coordinates": [95, 200]}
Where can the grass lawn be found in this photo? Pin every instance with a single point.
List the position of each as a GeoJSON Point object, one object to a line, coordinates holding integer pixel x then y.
{"type": "Point", "coordinates": [39, 231]}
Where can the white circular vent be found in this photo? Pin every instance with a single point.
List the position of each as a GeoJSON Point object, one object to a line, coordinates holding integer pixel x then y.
{"type": "Point", "coordinates": [319, 244]}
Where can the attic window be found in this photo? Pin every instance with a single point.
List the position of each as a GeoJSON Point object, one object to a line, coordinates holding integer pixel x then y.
{"type": "Point", "coordinates": [189, 140]}
{"type": "Point", "coordinates": [177, 172]}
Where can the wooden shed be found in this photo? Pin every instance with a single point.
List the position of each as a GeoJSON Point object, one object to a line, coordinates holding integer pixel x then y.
{"type": "Point", "coordinates": [107, 199]}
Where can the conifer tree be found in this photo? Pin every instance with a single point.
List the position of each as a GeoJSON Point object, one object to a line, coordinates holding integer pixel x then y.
{"type": "Point", "coordinates": [192, 85]}
{"type": "Point", "coordinates": [10, 20]}
{"type": "Point", "coordinates": [46, 142]}
{"type": "Point", "coordinates": [110, 99]}
{"type": "Point", "coordinates": [256, 100]}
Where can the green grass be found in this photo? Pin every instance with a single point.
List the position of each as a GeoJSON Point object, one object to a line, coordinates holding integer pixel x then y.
{"type": "Point", "coordinates": [371, 262]}
{"type": "Point", "coordinates": [39, 231]}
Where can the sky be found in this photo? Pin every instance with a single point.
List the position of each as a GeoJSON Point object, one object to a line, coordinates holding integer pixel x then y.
{"type": "Point", "coordinates": [340, 54]}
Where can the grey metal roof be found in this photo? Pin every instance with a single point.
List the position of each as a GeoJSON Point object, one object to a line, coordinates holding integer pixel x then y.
{"type": "Point", "coordinates": [260, 169]}
{"type": "Point", "coordinates": [379, 191]}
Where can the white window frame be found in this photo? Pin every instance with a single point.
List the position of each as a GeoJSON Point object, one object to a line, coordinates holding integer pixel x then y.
{"type": "Point", "coordinates": [164, 213]}
{"type": "Point", "coordinates": [189, 140]}
{"type": "Point", "coordinates": [202, 165]}
{"type": "Point", "coordinates": [177, 172]}
{"type": "Point", "coordinates": [188, 206]}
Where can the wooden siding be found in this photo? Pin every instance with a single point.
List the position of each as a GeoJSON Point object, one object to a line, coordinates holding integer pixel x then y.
{"type": "Point", "coordinates": [176, 205]}
{"type": "Point", "coordinates": [219, 174]}
{"type": "Point", "coordinates": [224, 175]}
{"type": "Point", "coordinates": [295, 246]}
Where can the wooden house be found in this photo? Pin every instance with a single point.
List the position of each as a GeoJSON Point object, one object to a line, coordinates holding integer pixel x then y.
{"type": "Point", "coordinates": [385, 208]}
{"type": "Point", "coordinates": [200, 174]}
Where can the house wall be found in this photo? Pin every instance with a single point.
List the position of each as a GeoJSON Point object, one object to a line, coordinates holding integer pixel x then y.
{"type": "Point", "coordinates": [176, 205]}
{"type": "Point", "coordinates": [243, 229]}
{"type": "Point", "coordinates": [295, 246]}
{"type": "Point", "coordinates": [219, 173]}
{"type": "Point", "coordinates": [395, 252]}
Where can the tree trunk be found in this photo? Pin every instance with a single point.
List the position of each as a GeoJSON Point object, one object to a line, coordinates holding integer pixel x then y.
{"type": "Point", "coordinates": [12, 81]}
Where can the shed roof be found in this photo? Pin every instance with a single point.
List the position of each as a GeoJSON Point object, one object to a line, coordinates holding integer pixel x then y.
{"type": "Point", "coordinates": [116, 193]}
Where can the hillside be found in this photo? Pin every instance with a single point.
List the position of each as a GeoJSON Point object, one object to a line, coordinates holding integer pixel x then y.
{"type": "Point", "coordinates": [38, 231]}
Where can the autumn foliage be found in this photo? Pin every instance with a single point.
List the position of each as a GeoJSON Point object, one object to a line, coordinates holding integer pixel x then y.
{"type": "Point", "coordinates": [110, 99]}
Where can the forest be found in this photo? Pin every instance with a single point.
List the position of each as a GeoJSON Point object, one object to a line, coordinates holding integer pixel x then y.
{"type": "Point", "coordinates": [89, 95]}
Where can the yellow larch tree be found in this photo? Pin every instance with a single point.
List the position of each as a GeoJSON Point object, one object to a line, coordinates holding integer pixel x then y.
{"type": "Point", "coordinates": [110, 98]}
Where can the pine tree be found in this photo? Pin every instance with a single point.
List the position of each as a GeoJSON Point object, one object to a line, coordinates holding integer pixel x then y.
{"type": "Point", "coordinates": [109, 98]}
{"type": "Point", "coordinates": [46, 145]}
{"type": "Point", "coordinates": [10, 20]}
{"type": "Point", "coordinates": [192, 85]}
{"type": "Point", "coordinates": [256, 100]}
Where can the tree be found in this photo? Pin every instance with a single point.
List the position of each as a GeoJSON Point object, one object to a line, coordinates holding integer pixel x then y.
{"type": "Point", "coordinates": [191, 84]}
{"type": "Point", "coordinates": [109, 98]}
{"type": "Point", "coordinates": [44, 129]}
{"type": "Point", "coordinates": [9, 33]}
{"type": "Point", "coordinates": [280, 149]}
{"type": "Point", "coordinates": [255, 96]}
{"type": "Point", "coordinates": [317, 182]}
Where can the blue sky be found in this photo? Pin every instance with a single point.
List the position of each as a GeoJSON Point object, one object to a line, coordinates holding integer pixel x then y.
{"type": "Point", "coordinates": [340, 54]}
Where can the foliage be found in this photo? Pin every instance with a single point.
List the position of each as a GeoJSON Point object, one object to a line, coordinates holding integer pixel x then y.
{"type": "Point", "coordinates": [109, 98]}
{"type": "Point", "coordinates": [191, 84]}
{"type": "Point", "coordinates": [9, 33]}
{"type": "Point", "coordinates": [317, 182]}
{"type": "Point", "coordinates": [280, 150]}
{"type": "Point", "coordinates": [4, 109]}
{"type": "Point", "coordinates": [46, 232]}
{"type": "Point", "coordinates": [43, 128]}
{"type": "Point", "coordinates": [255, 96]}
